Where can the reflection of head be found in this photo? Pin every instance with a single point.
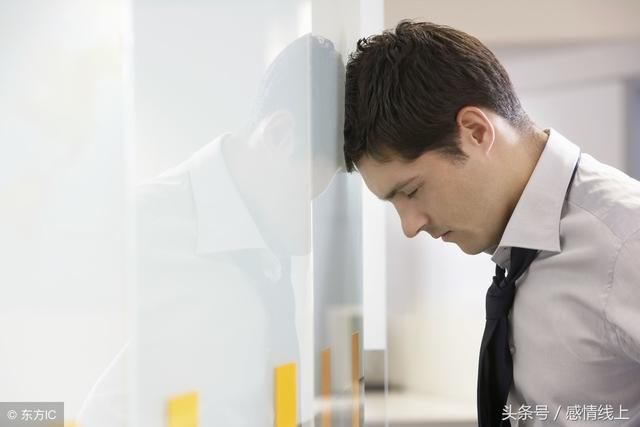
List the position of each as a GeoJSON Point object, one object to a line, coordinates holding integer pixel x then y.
{"type": "Point", "coordinates": [305, 83]}
{"type": "Point", "coordinates": [291, 147]}
{"type": "Point", "coordinates": [404, 89]}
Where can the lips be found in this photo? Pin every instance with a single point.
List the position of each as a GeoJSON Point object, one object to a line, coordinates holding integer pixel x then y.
{"type": "Point", "coordinates": [440, 235]}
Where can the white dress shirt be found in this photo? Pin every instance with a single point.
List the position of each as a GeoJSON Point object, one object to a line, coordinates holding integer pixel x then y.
{"type": "Point", "coordinates": [575, 321]}
{"type": "Point", "coordinates": [214, 306]}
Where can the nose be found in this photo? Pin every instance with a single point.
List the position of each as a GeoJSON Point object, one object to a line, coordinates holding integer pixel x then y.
{"type": "Point", "coordinates": [412, 219]}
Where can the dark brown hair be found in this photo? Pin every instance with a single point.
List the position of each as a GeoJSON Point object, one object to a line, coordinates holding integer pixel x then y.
{"type": "Point", "coordinates": [404, 88]}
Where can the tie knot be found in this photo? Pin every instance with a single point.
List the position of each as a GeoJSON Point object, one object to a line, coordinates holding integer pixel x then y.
{"type": "Point", "coordinates": [500, 297]}
{"type": "Point", "coordinates": [502, 291]}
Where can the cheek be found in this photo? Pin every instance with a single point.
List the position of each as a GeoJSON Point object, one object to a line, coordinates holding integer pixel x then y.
{"type": "Point", "coordinates": [467, 202]}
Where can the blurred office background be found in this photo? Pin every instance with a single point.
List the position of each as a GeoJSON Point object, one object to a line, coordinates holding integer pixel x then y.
{"type": "Point", "coordinates": [100, 97]}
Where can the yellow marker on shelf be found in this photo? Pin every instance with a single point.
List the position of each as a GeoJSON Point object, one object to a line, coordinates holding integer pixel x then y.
{"type": "Point", "coordinates": [182, 410]}
{"type": "Point", "coordinates": [325, 385]}
{"type": "Point", "coordinates": [285, 405]}
{"type": "Point", "coordinates": [355, 379]}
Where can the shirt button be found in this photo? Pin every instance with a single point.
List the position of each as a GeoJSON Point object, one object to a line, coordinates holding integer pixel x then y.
{"type": "Point", "coordinates": [512, 349]}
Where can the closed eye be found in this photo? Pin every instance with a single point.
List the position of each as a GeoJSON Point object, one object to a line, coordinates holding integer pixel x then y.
{"type": "Point", "coordinates": [413, 193]}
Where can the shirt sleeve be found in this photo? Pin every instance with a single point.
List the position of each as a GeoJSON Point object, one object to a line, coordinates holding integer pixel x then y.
{"type": "Point", "coordinates": [623, 305]}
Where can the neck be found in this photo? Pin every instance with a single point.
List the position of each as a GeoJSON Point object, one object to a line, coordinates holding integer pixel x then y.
{"type": "Point", "coordinates": [524, 154]}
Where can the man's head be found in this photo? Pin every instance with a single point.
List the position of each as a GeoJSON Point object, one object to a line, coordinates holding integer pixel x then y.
{"type": "Point", "coordinates": [290, 148]}
{"type": "Point", "coordinates": [430, 120]}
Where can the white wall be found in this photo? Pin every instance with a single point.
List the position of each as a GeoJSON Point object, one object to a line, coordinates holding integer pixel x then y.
{"type": "Point", "coordinates": [581, 90]}
{"type": "Point", "coordinates": [520, 23]}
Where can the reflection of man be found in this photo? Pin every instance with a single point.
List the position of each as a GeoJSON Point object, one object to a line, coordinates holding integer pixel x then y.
{"type": "Point", "coordinates": [433, 125]}
{"type": "Point", "coordinates": [215, 239]}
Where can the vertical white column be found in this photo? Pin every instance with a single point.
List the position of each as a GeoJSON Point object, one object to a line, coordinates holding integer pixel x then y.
{"type": "Point", "coordinates": [373, 224]}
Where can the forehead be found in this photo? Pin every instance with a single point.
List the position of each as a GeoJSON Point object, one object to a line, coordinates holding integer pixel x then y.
{"type": "Point", "coordinates": [381, 177]}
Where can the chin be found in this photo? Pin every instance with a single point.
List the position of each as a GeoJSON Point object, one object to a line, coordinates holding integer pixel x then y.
{"type": "Point", "coordinates": [469, 249]}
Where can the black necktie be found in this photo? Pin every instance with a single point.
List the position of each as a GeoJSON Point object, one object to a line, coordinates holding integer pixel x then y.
{"type": "Point", "coordinates": [495, 370]}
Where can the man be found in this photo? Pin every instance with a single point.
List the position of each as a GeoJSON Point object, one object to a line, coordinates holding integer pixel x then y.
{"type": "Point", "coordinates": [434, 126]}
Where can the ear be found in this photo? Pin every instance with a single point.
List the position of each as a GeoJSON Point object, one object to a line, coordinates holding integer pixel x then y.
{"type": "Point", "coordinates": [276, 134]}
{"type": "Point", "coordinates": [476, 129]}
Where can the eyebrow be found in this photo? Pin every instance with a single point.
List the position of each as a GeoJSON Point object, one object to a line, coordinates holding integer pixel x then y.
{"type": "Point", "coordinates": [397, 187]}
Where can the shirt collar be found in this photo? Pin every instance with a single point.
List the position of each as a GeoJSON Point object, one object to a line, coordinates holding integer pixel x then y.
{"type": "Point", "coordinates": [224, 221]}
{"type": "Point", "coordinates": [535, 221]}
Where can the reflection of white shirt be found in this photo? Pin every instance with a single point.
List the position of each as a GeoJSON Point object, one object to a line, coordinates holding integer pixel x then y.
{"type": "Point", "coordinates": [575, 322]}
{"type": "Point", "coordinates": [215, 306]}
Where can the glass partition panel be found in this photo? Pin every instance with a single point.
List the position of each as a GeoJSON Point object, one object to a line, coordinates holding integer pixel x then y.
{"type": "Point", "coordinates": [180, 243]}
{"type": "Point", "coordinates": [241, 227]}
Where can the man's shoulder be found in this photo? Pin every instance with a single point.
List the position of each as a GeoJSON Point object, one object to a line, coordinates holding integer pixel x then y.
{"type": "Point", "coordinates": [608, 194]}
{"type": "Point", "coordinates": [173, 191]}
